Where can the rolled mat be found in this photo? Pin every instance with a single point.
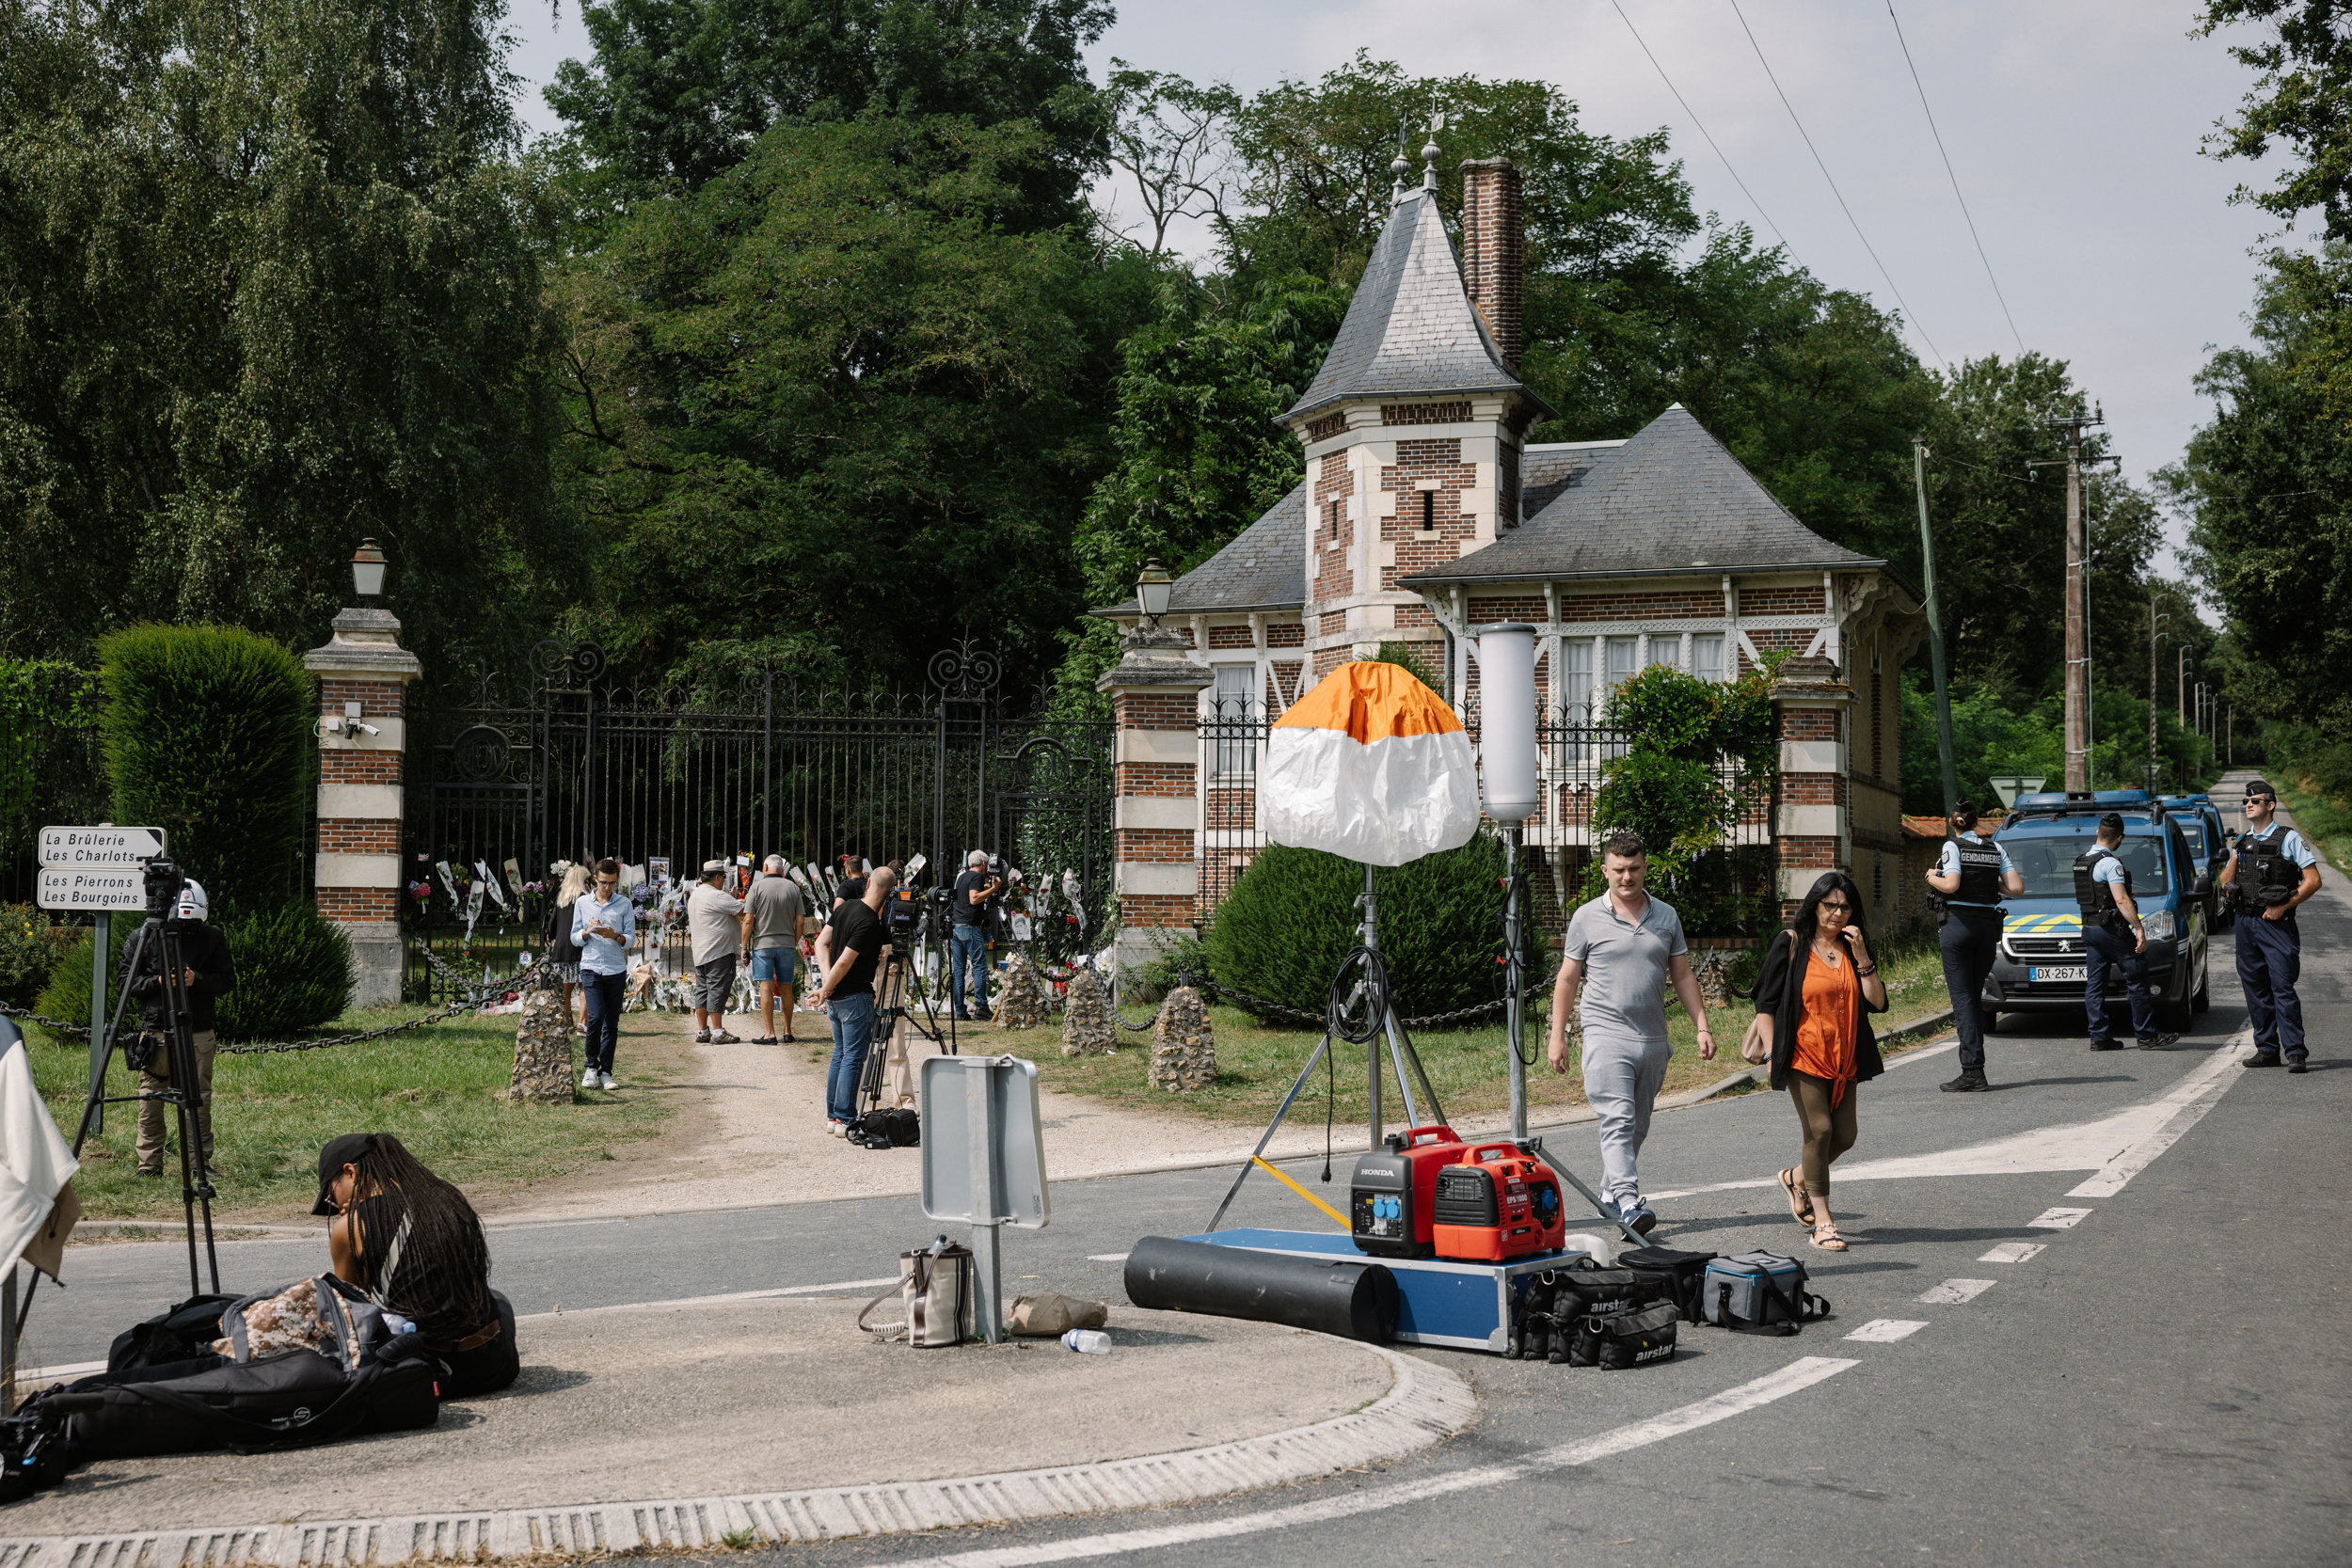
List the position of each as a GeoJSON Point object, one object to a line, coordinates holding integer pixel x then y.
{"type": "Point", "coordinates": [1349, 1297]}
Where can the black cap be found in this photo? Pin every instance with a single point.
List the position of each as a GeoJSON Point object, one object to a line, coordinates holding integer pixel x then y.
{"type": "Point", "coordinates": [2261, 786]}
{"type": "Point", "coordinates": [338, 1153]}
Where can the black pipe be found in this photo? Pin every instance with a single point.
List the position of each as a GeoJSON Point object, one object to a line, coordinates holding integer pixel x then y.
{"type": "Point", "coordinates": [1348, 1297]}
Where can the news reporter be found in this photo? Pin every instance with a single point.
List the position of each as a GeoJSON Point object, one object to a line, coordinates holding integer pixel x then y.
{"type": "Point", "coordinates": [846, 990]}
{"type": "Point", "coordinates": [207, 972]}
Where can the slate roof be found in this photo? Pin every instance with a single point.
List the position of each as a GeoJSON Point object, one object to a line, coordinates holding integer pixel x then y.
{"type": "Point", "coordinates": [1264, 568]}
{"type": "Point", "coordinates": [1410, 331]}
{"type": "Point", "coordinates": [1547, 470]}
{"type": "Point", "coordinates": [1669, 500]}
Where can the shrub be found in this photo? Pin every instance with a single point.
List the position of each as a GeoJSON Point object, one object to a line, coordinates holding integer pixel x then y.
{"type": "Point", "coordinates": [208, 736]}
{"type": "Point", "coordinates": [30, 947]}
{"type": "Point", "coordinates": [1281, 932]}
{"type": "Point", "coordinates": [294, 973]}
{"type": "Point", "coordinates": [1151, 981]}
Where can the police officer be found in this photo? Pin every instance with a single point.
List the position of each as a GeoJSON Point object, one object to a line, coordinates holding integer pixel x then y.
{"type": "Point", "coordinates": [2112, 939]}
{"type": "Point", "coordinates": [1973, 875]}
{"type": "Point", "coordinates": [2269, 875]}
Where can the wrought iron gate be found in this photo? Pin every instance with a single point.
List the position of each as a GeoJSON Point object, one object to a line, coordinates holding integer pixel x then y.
{"type": "Point", "coordinates": [586, 769]}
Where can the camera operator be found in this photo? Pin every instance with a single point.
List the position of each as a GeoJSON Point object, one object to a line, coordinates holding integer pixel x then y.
{"type": "Point", "coordinates": [846, 990]}
{"type": "Point", "coordinates": [967, 938]}
{"type": "Point", "coordinates": [207, 972]}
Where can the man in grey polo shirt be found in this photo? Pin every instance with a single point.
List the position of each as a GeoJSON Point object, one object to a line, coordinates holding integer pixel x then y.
{"type": "Point", "coordinates": [1621, 950]}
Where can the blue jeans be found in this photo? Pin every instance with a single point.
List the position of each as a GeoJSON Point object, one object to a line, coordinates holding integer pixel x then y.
{"type": "Point", "coordinates": [601, 996]}
{"type": "Point", "coordinates": [2269, 961]}
{"type": "Point", "coordinates": [1970, 939]}
{"type": "Point", "coordinates": [853, 1032]}
{"type": "Point", "coordinates": [967, 944]}
{"type": "Point", "coordinates": [2103, 949]}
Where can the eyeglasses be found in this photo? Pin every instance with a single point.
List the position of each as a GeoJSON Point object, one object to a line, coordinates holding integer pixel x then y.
{"type": "Point", "coordinates": [1828, 908]}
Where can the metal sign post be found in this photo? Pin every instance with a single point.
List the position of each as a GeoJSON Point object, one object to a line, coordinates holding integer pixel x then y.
{"type": "Point", "coordinates": [984, 1163]}
{"type": "Point", "coordinates": [97, 870]}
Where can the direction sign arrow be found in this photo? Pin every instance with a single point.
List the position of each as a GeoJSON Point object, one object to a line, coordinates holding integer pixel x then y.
{"type": "Point", "coordinates": [92, 891]}
{"type": "Point", "coordinates": [89, 848]}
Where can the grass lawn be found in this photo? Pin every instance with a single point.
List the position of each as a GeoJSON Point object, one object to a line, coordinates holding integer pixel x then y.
{"type": "Point", "coordinates": [1467, 1068]}
{"type": "Point", "coordinates": [438, 1088]}
{"type": "Point", "coordinates": [2327, 823]}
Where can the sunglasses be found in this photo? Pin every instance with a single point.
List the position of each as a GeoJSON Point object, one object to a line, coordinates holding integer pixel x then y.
{"type": "Point", "coordinates": [2260, 799]}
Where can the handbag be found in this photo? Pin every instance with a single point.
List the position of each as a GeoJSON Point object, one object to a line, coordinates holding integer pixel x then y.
{"type": "Point", "coordinates": [935, 1282]}
{"type": "Point", "coordinates": [1755, 1049]}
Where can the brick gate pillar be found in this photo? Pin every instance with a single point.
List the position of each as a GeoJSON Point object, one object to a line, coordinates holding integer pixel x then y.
{"type": "Point", "coordinates": [363, 676]}
{"type": "Point", "coordinates": [1155, 711]}
{"type": "Point", "coordinates": [1815, 832]}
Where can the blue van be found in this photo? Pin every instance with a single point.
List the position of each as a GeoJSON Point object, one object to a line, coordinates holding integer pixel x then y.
{"type": "Point", "coordinates": [2039, 967]}
{"type": "Point", "coordinates": [2199, 822]}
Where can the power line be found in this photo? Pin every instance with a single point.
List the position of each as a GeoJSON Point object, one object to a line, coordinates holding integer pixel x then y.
{"type": "Point", "coordinates": [1833, 187]}
{"type": "Point", "coordinates": [1702, 127]}
{"type": "Point", "coordinates": [1954, 178]}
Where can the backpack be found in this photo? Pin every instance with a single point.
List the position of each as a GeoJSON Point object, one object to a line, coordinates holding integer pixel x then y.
{"type": "Point", "coordinates": [901, 1128]}
{"type": "Point", "coordinates": [1760, 1292]}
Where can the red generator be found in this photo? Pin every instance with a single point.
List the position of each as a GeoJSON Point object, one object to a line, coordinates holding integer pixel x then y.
{"type": "Point", "coordinates": [1496, 1203]}
{"type": "Point", "coordinates": [1389, 1195]}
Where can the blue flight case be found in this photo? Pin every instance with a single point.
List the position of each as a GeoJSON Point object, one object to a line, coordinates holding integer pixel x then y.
{"type": "Point", "coordinates": [1439, 1302]}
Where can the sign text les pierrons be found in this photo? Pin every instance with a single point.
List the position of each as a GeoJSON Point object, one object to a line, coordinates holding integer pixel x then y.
{"type": "Point", "coordinates": [91, 891]}
{"type": "Point", "coordinates": [89, 849]}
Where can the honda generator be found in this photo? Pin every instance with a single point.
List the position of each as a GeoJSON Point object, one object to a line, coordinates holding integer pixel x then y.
{"type": "Point", "coordinates": [1498, 1203]}
{"type": "Point", "coordinates": [1389, 1197]}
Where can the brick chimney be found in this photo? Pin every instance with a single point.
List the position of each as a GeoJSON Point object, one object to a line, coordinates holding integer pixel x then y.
{"type": "Point", "coordinates": [1494, 249]}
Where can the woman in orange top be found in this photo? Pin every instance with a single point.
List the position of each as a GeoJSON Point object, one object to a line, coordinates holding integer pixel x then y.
{"type": "Point", "coordinates": [1813, 1001]}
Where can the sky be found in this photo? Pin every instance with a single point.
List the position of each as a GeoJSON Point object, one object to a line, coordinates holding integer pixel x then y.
{"type": "Point", "coordinates": [2073, 127]}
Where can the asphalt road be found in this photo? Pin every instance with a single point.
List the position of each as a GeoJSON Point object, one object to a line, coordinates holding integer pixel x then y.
{"type": "Point", "coordinates": [2167, 1377]}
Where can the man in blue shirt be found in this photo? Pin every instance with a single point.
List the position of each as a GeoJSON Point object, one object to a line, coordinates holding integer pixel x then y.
{"type": "Point", "coordinates": [2113, 939]}
{"type": "Point", "coordinates": [2271, 873]}
{"type": "Point", "coordinates": [1973, 875]}
{"type": "Point", "coordinates": [603, 925]}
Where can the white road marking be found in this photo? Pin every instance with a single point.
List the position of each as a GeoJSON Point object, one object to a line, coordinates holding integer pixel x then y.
{"type": "Point", "coordinates": [2013, 1252]}
{"type": "Point", "coordinates": [1790, 1379]}
{"type": "Point", "coordinates": [2183, 1108]}
{"type": "Point", "coordinates": [1886, 1331]}
{"type": "Point", "coordinates": [1106, 1257]}
{"type": "Point", "coordinates": [837, 1288]}
{"type": "Point", "coordinates": [1956, 1290]}
{"type": "Point", "coordinates": [26, 1377]}
{"type": "Point", "coordinates": [2058, 1219]}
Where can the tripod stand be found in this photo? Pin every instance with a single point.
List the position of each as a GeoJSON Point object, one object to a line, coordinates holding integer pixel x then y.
{"type": "Point", "coordinates": [1369, 987]}
{"type": "Point", "coordinates": [894, 1022]}
{"type": "Point", "coordinates": [154, 954]}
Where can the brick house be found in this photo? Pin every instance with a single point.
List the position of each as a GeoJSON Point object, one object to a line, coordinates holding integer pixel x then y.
{"type": "Point", "coordinates": [1427, 513]}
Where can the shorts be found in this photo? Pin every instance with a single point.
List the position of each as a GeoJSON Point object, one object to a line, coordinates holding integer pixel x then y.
{"type": "Point", "coordinates": [780, 964]}
{"type": "Point", "coordinates": [714, 982]}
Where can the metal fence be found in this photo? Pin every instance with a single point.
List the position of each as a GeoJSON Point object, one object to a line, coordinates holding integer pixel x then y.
{"type": "Point", "coordinates": [583, 769]}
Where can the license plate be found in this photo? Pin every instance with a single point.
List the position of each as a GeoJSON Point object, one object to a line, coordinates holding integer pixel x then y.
{"type": "Point", "coordinates": [2051, 974]}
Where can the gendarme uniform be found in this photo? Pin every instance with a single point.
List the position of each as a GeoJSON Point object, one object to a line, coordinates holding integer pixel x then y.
{"type": "Point", "coordinates": [2109, 942]}
{"type": "Point", "coordinates": [2269, 867]}
{"type": "Point", "coordinates": [1971, 935]}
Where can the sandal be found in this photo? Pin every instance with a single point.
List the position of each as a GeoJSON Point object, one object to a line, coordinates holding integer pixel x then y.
{"type": "Point", "coordinates": [1826, 1238]}
{"type": "Point", "coordinates": [1800, 1203]}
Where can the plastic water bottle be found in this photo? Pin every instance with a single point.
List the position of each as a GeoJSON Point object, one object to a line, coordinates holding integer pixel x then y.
{"type": "Point", "coordinates": [1088, 1342]}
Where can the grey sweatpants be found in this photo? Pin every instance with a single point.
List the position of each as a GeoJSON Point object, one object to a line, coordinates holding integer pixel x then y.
{"type": "Point", "coordinates": [1622, 1077]}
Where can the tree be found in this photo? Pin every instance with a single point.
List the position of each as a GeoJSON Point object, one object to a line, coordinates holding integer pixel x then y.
{"type": "Point", "coordinates": [2303, 98]}
{"type": "Point", "coordinates": [272, 285]}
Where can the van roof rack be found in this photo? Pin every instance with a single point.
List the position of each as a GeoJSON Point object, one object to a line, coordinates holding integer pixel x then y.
{"type": "Point", "coordinates": [2088, 802]}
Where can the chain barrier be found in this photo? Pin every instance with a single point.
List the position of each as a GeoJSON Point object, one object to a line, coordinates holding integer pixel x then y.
{"type": "Point", "coordinates": [1259, 1004]}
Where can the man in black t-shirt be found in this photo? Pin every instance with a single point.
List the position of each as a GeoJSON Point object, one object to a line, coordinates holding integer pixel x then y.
{"type": "Point", "coordinates": [846, 990]}
{"type": "Point", "coordinates": [967, 935]}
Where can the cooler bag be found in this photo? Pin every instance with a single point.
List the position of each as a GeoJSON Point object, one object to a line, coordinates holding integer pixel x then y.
{"type": "Point", "coordinates": [1760, 1292]}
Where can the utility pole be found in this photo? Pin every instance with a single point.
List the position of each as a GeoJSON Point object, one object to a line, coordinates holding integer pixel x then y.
{"type": "Point", "coordinates": [2180, 686]}
{"type": "Point", "coordinates": [2077, 648]}
{"type": "Point", "coordinates": [1936, 630]}
{"type": "Point", "coordinates": [2233, 753]}
{"type": "Point", "coordinates": [2151, 694]}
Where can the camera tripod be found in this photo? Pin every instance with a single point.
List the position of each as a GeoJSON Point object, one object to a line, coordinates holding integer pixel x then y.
{"type": "Point", "coordinates": [894, 1022]}
{"type": "Point", "coordinates": [153, 952]}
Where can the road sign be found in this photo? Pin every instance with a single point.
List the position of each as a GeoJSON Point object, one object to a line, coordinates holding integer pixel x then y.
{"type": "Point", "coordinates": [1008, 1187]}
{"type": "Point", "coordinates": [92, 848]}
{"type": "Point", "coordinates": [92, 891]}
{"type": "Point", "coordinates": [2011, 786]}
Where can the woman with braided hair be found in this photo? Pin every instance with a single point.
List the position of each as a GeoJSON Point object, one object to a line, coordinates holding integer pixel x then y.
{"type": "Point", "coordinates": [413, 1244]}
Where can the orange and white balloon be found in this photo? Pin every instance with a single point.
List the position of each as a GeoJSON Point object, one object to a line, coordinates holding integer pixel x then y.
{"type": "Point", "coordinates": [1370, 764]}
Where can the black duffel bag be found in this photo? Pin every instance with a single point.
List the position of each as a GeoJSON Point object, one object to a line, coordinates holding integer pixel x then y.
{"type": "Point", "coordinates": [292, 1400]}
{"type": "Point", "coordinates": [1628, 1339]}
{"type": "Point", "coordinates": [1678, 1277]}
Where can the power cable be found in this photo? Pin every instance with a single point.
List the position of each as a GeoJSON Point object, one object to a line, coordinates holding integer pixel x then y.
{"type": "Point", "coordinates": [1954, 178]}
{"type": "Point", "coordinates": [1833, 190]}
{"type": "Point", "coordinates": [1702, 128]}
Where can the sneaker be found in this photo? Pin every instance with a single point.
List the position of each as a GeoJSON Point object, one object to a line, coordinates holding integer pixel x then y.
{"type": "Point", "coordinates": [719, 1037]}
{"type": "Point", "coordinates": [604, 1080]}
{"type": "Point", "coordinates": [1641, 1219]}
{"type": "Point", "coordinates": [2162, 1042]}
{"type": "Point", "coordinates": [2106, 1045]}
{"type": "Point", "coordinates": [702, 1036]}
{"type": "Point", "coordinates": [588, 1079]}
{"type": "Point", "coordinates": [2261, 1059]}
{"type": "Point", "coordinates": [982, 1017]}
{"type": "Point", "coordinates": [2295, 1064]}
{"type": "Point", "coordinates": [1971, 1081]}
{"type": "Point", "coordinates": [836, 1128]}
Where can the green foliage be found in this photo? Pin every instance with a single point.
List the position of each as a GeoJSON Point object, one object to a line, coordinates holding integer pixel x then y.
{"type": "Point", "coordinates": [1187, 956]}
{"type": "Point", "coordinates": [65, 995]}
{"type": "Point", "coordinates": [1700, 756]}
{"type": "Point", "coordinates": [274, 286]}
{"type": "Point", "coordinates": [2302, 98]}
{"type": "Point", "coordinates": [45, 709]}
{"type": "Point", "coordinates": [1288, 922]}
{"type": "Point", "coordinates": [1990, 737]}
{"type": "Point", "coordinates": [1409, 657]}
{"type": "Point", "coordinates": [30, 949]}
{"type": "Point", "coordinates": [294, 974]}
{"type": "Point", "coordinates": [208, 736]}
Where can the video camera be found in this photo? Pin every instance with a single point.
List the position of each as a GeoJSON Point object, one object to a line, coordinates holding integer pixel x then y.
{"type": "Point", "coordinates": [165, 882]}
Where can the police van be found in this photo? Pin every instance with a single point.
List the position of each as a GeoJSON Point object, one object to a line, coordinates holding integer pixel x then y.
{"type": "Point", "coordinates": [2208, 847]}
{"type": "Point", "coordinates": [2040, 966]}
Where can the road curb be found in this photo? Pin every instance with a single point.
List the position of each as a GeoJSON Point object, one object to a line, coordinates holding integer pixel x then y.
{"type": "Point", "coordinates": [1426, 1404]}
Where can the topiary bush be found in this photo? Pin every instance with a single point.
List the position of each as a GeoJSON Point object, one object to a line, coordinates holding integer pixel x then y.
{"type": "Point", "coordinates": [208, 736]}
{"type": "Point", "coordinates": [294, 973]}
{"type": "Point", "coordinates": [1281, 932]}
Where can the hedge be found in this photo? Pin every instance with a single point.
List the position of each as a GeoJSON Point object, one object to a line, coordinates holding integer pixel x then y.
{"type": "Point", "coordinates": [294, 974]}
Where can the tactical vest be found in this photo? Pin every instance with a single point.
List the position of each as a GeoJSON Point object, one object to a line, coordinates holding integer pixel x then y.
{"type": "Point", "coordinates": [1979, 872]}
{"type": "Point", "coordinates": [2265, 874]}
{"type": "Point", "coordinates": [2094, 898]}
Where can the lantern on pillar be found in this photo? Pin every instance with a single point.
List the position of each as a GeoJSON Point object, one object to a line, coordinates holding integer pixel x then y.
{"type": "Point", "coordinates": [367, 570]}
